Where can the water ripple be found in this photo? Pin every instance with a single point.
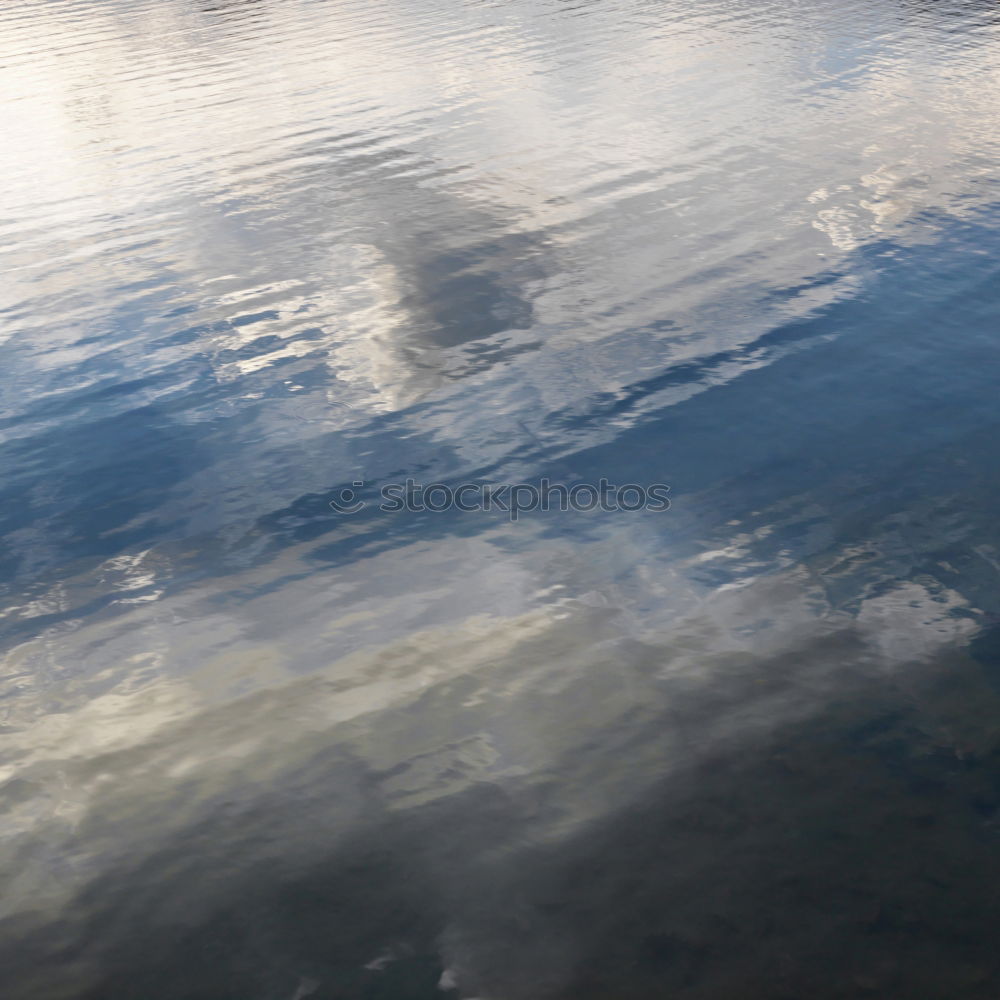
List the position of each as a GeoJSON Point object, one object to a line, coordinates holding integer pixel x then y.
{"type": "Point", "coordinates": [256, 251]}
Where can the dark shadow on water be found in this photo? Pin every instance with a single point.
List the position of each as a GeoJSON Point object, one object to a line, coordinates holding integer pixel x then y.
{"type": "Point", "coordinates": [854, 853]}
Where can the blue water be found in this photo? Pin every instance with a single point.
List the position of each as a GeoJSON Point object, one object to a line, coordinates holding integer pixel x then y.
{"type": "Point", "coordinates": [256, 253]}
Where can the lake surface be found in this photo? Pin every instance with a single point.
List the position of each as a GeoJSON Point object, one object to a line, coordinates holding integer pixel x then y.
{"type": "Point", "coordinates": [257, 253]}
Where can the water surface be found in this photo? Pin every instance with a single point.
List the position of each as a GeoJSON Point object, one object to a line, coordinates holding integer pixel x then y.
{"type": "Point", "coordinates": [255, 252]}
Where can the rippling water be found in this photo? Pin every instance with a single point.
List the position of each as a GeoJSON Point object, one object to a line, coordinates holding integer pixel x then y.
{"type": "Point", "coordinates": [256, 252]}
